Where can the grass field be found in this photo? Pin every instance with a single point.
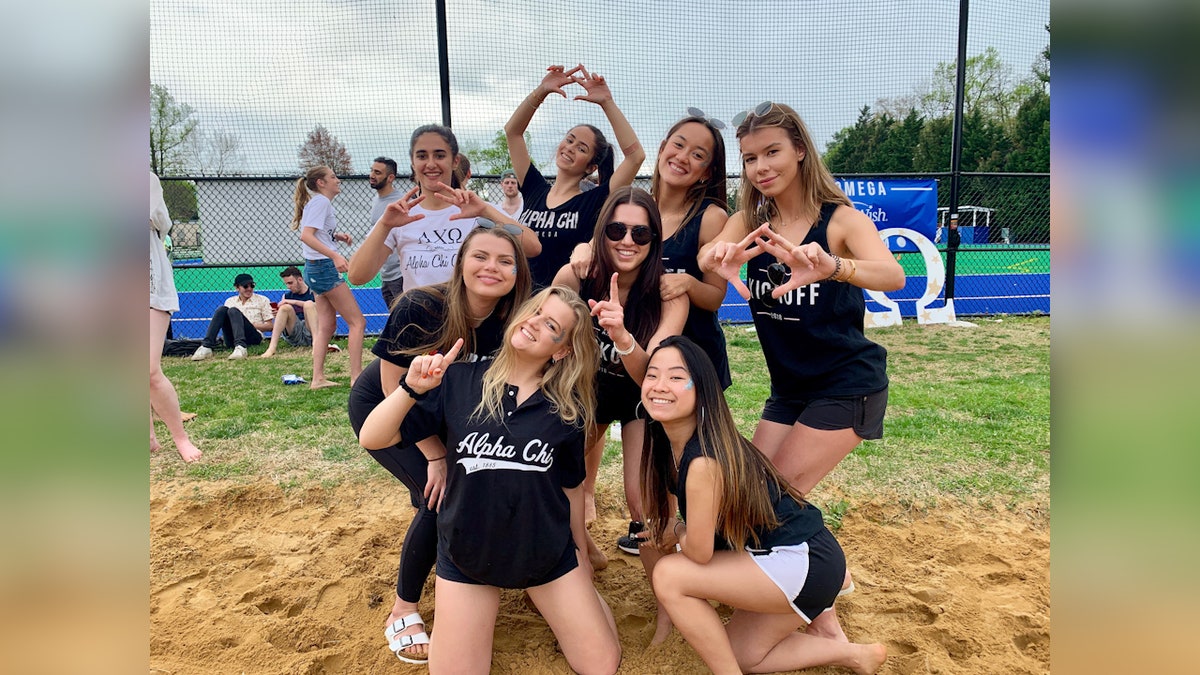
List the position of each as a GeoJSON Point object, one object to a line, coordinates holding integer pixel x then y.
{"type": "Point", "coordinates": [968, 419]}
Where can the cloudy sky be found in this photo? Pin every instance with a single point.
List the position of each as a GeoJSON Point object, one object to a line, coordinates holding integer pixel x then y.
{"type": "Point", "coordinates": [271, 70]}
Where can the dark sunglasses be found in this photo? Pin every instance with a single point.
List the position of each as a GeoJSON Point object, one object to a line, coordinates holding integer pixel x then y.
{"type": "Point", "coordinates": [777, 275]}
{"type": "Point", "coordinates": [247, 285]}
{"type": "Point", "coordinates": [486, 224]}
{"type": "Point", "coordinates": [696, 112]}
{"type": "Point", "coordinates": [641, 233]}
{"type": "Point", "coordinates": [758, 111]}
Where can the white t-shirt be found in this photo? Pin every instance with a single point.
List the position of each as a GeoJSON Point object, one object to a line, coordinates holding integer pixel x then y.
{"type": "Point", "coordinates": [520, 207]}
{"type": "Point", "coordinates": [428, 247]}
{"type": "Point", "coordinates": [318, 214]}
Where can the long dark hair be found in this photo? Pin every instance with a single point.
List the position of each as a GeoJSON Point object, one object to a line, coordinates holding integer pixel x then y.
{"type": "Point", "coordinates": [643, 307]}
{"type": "Point", "coordinates": [708, 191]}
{"type": "Point", "coordinates": [602, 154]}
{"type": "Point", "coordinates": [745, 472]}
{"type": "Point", "coordinates": [450, 301]}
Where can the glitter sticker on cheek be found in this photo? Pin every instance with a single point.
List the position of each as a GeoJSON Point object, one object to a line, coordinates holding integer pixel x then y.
{"type": "Point", "coordinates": [689, 385]}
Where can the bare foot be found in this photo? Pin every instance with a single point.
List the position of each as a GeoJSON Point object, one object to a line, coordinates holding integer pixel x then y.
{"type": "Point", "coordinates": [826, 625]}
{"type": "Point", "coordinates": [189, 452]}
{"type": "Point", "coordinates": [401, 609]}
{"type": "Point", "coordinates": [595, 555]}
{"type": "Point", "coordinates": [662, 628]}
{"type": "Point", "coordinates": [267, 354]}
{"type": "Point", "coordinates": [321, 384]}
{"type": "Point", "coordinates": [155, 446]}
{"type": "Point", "coordinates": [870, 658]}
{"type": "Point", "coordinates": [589, 508]}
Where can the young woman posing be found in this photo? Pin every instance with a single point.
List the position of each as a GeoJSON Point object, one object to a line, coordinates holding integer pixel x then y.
{"type": "Point", "coordinates": [622, 285]}
{"type": "Point", "coordinates": [490, 280]}
{"type": "Point", "coordinates": [747, 539]}
{"type": "Point", "coordinates": [427, 238]}
{"type": "Point", "coordinates": [323, 266]}
{"type": "Point", "coordinates": [562, 213]}
{"type": "Point", "coordinates": [808, 254]}
{"type": "Point", "coordinates": [689, 187]}
{"type": "Point", "coordinates": [512, 515]}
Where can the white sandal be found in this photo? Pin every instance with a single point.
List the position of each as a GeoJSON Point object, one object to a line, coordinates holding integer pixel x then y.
{"type": "Point", "coordinates": [398, 643]}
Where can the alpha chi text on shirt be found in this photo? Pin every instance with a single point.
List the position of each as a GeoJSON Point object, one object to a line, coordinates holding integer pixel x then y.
{"type": "Point", "coordinates": [484, 454]}
{"type": "Point", "coordinates": [549, 223]}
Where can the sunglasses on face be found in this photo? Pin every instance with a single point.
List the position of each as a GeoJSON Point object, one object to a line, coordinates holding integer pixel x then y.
{"type": "Point", "coordinates": [616, 232]}
{"type": "Point", "coordinates": [247, 285]}
{"type": "Point", "coordinates": [758, 111]}
{"type": "Point", "coordinates": [777, 275]}
{"type": "Point", "coordinates": [696, 112]}
{"type": "Point", "coordinates": [507, 227]}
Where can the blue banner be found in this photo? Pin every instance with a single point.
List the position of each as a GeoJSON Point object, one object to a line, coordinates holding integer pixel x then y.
{"type": "Point", "coordinates": [903, 203]}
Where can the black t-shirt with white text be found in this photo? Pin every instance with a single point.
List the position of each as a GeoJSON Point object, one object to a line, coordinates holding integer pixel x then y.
{"type": "Point", "coordinates": [560, 229]}
{"type": "Point", "coordinates": [505, 519]}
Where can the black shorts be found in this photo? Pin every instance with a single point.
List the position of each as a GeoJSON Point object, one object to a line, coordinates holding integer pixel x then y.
{"type": "Point", "coordinates": [863, 414]}
{"type": "Point", "coordinates": [447, 570]}
{"type": "Point", "coordinates": [617, 398]}
{"type": "Point", "coordinates": [808, 574]}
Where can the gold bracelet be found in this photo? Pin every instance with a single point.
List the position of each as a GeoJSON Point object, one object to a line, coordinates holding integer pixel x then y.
{"type": "Point", "coordinates": [853, 269]}
{"type": "Point", "coordinates": [535, 106]}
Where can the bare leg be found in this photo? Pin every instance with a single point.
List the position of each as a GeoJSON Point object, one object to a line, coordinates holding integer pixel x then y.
{"type": "Point", "coordinates": [631, 458]}
{"type": "Point", "coordinates": [582, 622]}
{"type": "Point", "coordinates": [466, 617]}
{"type": "Point", "coordinates": [662, 622]}
{"type": "Point", "coordinates": [321, 334]}
{"type": "Point", "coordinates": [285, 319]}
{"type": "Point", "coordinates": [344, 303]}
{"type": "Point", "coordinates": [163, 398]}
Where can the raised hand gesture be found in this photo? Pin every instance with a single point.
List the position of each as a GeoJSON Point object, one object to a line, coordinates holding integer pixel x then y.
{"type": "Point", "coordinates": [808, 262]}
{"type": "Point", "coordinates": [397, 213]}
{"type": "Point", "coordinates": [426, 371]}
{"type": "Point", "coordinates": [611, 316]}
{"type": "Point", "coordinates": [726, 258]}
{"type": "Point", "coordinates": [556, 78]}
{"type": "Point", "coordinates": [470, 204]}
{"type": "Point", "coordinates": [597, 89]}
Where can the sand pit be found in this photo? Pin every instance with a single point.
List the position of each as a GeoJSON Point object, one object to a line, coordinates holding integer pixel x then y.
{"type": "Point", "coordinates": [252, 579]}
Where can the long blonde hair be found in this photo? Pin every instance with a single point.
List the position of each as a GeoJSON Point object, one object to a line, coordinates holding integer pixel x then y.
{"type": "Point", "coordinates": [817, 186]}
{"type": "Point", "coordinates": [568, 383]}
{"type": "Point", "coordinates": [305, 186]}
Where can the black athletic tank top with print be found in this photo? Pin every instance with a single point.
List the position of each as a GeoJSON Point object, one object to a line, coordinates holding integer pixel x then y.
{"type": "Point", "coordinates": [679, 256]}
{"type": "Point", "coordinates": [812, 337]}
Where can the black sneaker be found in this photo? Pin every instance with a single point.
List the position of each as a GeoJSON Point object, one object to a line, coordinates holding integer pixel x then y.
{"type": "Point", "coordinates": [629, 543]}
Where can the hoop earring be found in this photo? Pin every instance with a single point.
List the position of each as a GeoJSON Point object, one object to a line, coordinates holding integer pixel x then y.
{"type": "Point", "coordinates": [636, 414]}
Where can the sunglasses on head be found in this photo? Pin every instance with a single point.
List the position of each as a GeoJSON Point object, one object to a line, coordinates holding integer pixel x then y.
{"type": "Point", "coordinates": [696, 112]}
{"type": "Point", "coordinates": [490, 225]}
{"type": "Point", "coordinates": [641, 233]}
{"type": "Point", "coordinates": [758, 111]}
{"type": "Point", "coordinates": [777, 275]}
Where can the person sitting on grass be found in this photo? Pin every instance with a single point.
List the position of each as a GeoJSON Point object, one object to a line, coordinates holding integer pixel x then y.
{"type": "Point", "coordinates": [242, 318]}
{"type": "Point", "coordinates": [291, 319]}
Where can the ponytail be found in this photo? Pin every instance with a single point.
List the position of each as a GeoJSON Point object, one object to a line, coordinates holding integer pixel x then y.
{"type": "Point", "coordinates": [305, 185]}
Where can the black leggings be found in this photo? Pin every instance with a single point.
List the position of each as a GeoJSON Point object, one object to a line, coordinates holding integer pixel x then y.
{"type": "Point", "coordinates": [238, 329]}
{"type": "Point", "coordinates": [419, 553]}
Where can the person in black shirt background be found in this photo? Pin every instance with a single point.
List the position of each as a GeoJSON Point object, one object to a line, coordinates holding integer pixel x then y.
{"type": "Point", "coordinates": [746, 538]}
{"type": "Point", "coordinates": [512, 515]}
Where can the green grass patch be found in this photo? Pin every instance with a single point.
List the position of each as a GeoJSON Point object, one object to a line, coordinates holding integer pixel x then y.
{"type": "Point", "coordinates": [968, 418]}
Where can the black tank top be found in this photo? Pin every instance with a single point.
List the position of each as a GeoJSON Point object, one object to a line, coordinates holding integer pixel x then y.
{"type": "Point", "coordinates": [797, 522]}
{"type": "Point", "coordinates": [679, 256]}
{"type": "Point", "coordinates": [813, 337]}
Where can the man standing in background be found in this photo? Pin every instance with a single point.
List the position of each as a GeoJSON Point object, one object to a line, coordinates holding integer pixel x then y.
{"type": "Point", "coordinates": [383, 174]}
{"type": "Point", "coordinates": [513, 203]}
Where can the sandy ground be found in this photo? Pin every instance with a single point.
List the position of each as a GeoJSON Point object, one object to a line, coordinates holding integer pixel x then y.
{"type": "Point", "coordinates": [250, 579]}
